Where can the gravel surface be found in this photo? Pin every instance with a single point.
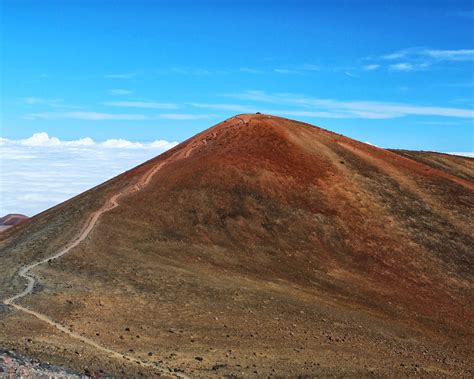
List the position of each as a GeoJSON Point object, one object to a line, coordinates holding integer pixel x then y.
{"type": "Point", "coordinates": [13, 365]}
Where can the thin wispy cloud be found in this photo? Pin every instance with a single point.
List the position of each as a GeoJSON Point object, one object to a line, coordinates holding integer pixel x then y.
{"type": "Point", "coordinates": [351, 109]}
{"type": "Point", "coordinates": [416, 59]}
{"type": "Point", "coordinates": [371, 67]}
{"type": "Point", "coordinates": [142, 104]}
{"type": "Point", "coordinates": [350, 74]}
{"type": "Point", "coordinates": [395, 55]}
{"type": "Point", "coordinates": [297, 69]}
{"type": "Point", "coordinates": [31, 100]}
{"type": "Point", "coordinates": [285, 71]}
{"type": "Point", "coordinates": [253, 109]}
{"type": "Point", "coordinates": [402, 67]}
{"type": "Point", "coordinates": [290, 70]}
{"type": "Point", "coordinates": [119, 91]}
{"type": "Point", "coordinates": [423, 54]}
{"type": "Point", "coordinates": [53, 103]}
{"type": "Point", "coordinates": [92, 116]}
{"type": "Point", "coordinates": [303, 113]}
{"type": "Point", "coordinates": [451, 55]}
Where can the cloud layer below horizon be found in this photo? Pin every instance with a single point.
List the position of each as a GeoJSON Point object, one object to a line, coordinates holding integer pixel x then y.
{"type": "Point", "coordinates": [42, 171]}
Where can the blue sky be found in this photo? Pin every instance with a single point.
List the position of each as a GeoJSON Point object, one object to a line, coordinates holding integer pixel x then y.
{"type": "Point", "coordinates": [396, 74]}
{"type": "Point", "coordinates": [146, 70]}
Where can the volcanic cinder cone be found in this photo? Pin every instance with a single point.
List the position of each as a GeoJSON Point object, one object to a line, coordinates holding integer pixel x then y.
{"type": "Point", "coordinates": [261, 246]}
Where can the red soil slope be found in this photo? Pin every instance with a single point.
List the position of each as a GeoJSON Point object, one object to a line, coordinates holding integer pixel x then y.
{"type": "Point", "coordinates": [258, 219]}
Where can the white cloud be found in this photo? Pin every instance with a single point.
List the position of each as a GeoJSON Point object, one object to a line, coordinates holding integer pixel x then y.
{"type": "Point", "coordinates": [277, 112]}
{"type": "Point", "coordinates": [31, 100]}
{"type": "Point", "coordinates": [402, 67]}
{"type": "Point", "coordinates": [451, 55]}
{"type": "Point", "coordinates": [413, 59]}
{"type": "Point", "coordinates": [119, 91]}
{"type": "Point", "coordinates": [371, 67]}
{"type": "Point", "coordinates": [396, 55]}
{"type": "Point", "coordinates": [43, 139]}
{"type": "Point", "coordinates": [142, 104]}
{"type": "Point", "coordinates": [40, 139]}
{"type": "Point", "coordinates": [350, 74]}
{"type": "Point", "coordinates": [53, 103]}
{"type": "Point", "coordinates": [162, 144]}
{"type": "Point", "coordinates": [294, 69]}
{"type": "Point", "coordinates": [121, 144]}
{"type": "Point", "coordinates": [41, 171]}
{"type": "Point", "coordinates": [349, 109]}
{"type": "Point", "coordinates": [95, 116]}
{"type": "Point", "coordinates": [469, 154]}
{"type": "Point", "coordinates": [285, 71]}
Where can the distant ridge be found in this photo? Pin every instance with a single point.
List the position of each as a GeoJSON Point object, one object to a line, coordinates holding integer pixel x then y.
{"type": "Point", "coordinates": [11, 220]}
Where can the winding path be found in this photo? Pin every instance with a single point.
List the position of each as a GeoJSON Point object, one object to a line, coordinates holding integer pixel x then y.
{"type": "Point", "coordinates": [110, 204]}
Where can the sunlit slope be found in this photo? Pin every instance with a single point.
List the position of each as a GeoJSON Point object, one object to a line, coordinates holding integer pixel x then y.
{"type": "Point", "coordinates": [268, 242]}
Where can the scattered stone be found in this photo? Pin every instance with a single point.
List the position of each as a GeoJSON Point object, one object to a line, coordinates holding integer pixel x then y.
{"type": "Point", "coordinates": [200, 359]}
{"type": "Point", "coordinates": [218, 366]}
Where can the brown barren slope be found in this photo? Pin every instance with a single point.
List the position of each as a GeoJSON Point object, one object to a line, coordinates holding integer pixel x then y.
{"type": "Point", "coordinates": [261, 247]}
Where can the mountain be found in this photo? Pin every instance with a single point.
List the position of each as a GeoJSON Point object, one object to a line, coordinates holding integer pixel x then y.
{"type": "Point", "coordinates": [11, 220]}
{"type": "Point", "coordinates": [259, 247]}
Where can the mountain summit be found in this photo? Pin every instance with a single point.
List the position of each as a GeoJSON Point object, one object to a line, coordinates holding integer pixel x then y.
{"type": "Point", "coordinates": [261, 246]}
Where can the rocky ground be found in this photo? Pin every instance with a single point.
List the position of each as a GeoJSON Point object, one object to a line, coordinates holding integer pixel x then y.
{"type": "Point", "coordinates": [13, 365]}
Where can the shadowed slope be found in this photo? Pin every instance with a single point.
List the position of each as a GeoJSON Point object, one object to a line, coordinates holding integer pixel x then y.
{"type": "Point", "coordinates": [274, 244]}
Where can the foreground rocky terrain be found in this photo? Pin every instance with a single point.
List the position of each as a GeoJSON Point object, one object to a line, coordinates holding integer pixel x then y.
{"type": "Point", "coordinates": [260, 247]}
{"type": "Point", "coordinates": [13, 365]}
